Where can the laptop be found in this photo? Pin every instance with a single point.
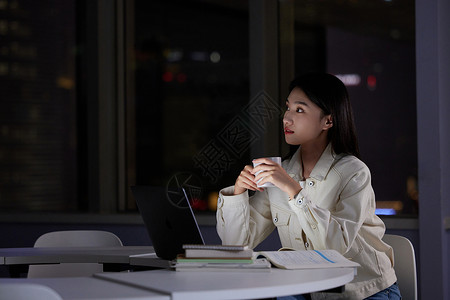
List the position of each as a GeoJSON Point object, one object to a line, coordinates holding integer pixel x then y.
{"type": "Point", "coordinates": [169, 219]}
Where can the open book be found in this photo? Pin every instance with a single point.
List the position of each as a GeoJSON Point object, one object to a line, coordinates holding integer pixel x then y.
{"type": "Point", "coordinates": [307, 259]}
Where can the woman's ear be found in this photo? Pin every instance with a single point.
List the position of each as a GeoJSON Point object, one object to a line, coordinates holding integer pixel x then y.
{"type": "Point", "coordinates": [328, 122]}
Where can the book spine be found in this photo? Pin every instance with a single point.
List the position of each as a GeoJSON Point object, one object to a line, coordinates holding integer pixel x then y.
{"type": "Point", "coordinates": [200, 253]}
{"type": "Point", "coordinates": [216, 247]}
{"type": "Point", "coordinates": [215, 260]}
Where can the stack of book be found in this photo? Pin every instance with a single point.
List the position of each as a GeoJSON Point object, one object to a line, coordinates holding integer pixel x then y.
{"type": "Point", "coordinates": [219, 258]}
{"type": "Point", "coordinates": [223, 257]}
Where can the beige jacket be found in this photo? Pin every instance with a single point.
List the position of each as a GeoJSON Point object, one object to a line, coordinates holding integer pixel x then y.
{"type": "Point", "coordinates": [334, 210]}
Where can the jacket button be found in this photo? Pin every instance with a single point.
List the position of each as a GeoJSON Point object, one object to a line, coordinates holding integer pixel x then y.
{"type": "Point", "coordinates": [300, 201]}
{"type": "Point", "coordinates": [313, 226]}
{"type": "Point", "coordinates": [275, 219]}
{"type": "Point", "coordinates": [311, 183]}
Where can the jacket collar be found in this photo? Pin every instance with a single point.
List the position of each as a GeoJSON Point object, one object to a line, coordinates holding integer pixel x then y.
{"type": "Point", "coordinates": [321, 169]}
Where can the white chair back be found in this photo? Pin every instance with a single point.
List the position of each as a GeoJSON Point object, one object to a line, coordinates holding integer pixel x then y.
{"type": "Point", "coordinates": [72, 238]}
{"type": "Point", "coordinates": [404, 265]}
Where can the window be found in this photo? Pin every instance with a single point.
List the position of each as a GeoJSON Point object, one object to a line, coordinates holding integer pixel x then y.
{"type": "Point", "coordinates": [191, 80]}
{"type": "Point", "coordinates": [376, 60]}
{"type": "Point", "coordinates": [102, 95]}
{"type": "Point", "coordinates": [38, 140]}
{"type": "Point", "coordinates": [371, 47]}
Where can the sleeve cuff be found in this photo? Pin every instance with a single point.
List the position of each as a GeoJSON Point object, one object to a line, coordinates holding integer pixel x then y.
{"type": "Point", "coordinates": [226, 197]}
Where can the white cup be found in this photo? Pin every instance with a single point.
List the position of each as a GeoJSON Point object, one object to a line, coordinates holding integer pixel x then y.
{"type": "Point", "coordinates": [275, 159]}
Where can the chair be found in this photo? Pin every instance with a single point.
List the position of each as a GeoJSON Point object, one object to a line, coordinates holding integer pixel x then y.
{"type": "Point", "coordinates": [404, 264]}
{"type": "Point", "coordinates": [75, 238]}
{"type": "Point", "coordinates": [25, 291]}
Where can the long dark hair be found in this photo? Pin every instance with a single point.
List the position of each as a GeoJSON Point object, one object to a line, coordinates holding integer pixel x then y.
{"type": "Point", "coordinates": [330, 95]}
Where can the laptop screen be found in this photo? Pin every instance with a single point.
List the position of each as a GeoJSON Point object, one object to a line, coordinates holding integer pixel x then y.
{"type": "Point", "coordinates": [169, 219]}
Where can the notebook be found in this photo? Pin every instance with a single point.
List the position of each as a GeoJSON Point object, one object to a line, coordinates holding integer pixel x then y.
{"type": "Point", "coordinates": [169, 219]}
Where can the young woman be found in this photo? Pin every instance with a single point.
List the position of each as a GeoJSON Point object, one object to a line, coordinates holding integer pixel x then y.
{"type": "Point", "coordinates": [322, 199]}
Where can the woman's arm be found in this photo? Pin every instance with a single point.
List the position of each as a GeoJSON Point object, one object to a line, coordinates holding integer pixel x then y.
{"type": "Point", "coordinates": [243, 220]}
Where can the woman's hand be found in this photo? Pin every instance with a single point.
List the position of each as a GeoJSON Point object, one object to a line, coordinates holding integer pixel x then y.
{"type": "Point", "coordinates": [274, 173]}
{"type": "Point", "coordinates": [246, 181]}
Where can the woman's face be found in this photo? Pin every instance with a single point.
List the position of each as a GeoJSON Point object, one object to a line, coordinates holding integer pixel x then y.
{"type": "Point", "coordinates": [303, 120]}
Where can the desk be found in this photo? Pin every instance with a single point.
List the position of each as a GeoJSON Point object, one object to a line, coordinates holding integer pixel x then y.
{"type": "Point", "coordinates": [168, 284]}
{"type": "Point", "coordinates": [56, 255]}
{"type": "Point", "coordinates": [233, 284]}
{"type": "Point", "coordinates": [109, 256]}
{"type": "Point", "coordinates": [90, 288]}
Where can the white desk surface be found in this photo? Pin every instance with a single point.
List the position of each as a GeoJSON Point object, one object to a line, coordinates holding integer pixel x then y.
{"type": "Point", "coordinates": [160, 284]}
{"type": "Point", "coordinates": [233, 285]}
{"type": "Point", "coordinates": [89, 288]}
{"type": "Point", "coordinates": [48, 255]}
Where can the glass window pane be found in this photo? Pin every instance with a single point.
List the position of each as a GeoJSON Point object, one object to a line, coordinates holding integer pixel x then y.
{"type": "Point", "coordinates": [371, 46]}
{"type": "Point", "coordinates": [191, 75]}
{"type": "Point", "coordinates": [37, 113]}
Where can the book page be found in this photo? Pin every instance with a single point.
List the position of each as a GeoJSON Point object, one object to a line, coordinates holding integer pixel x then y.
{"type": "Point", "coordinates": [304, 259]}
